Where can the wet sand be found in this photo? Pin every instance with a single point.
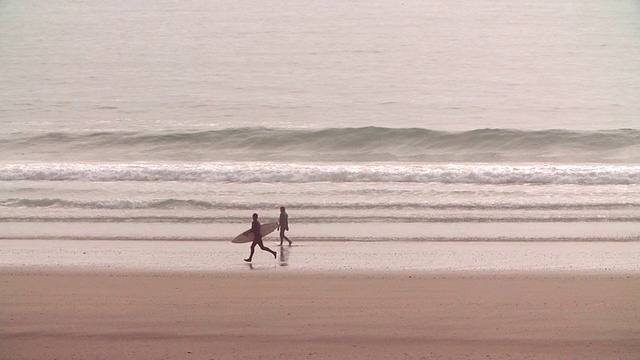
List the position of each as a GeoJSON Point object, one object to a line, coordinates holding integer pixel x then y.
{"type": "Point", "coordinates": [125, 314]}
{"type": "Point", "coordinates": [316, 255]}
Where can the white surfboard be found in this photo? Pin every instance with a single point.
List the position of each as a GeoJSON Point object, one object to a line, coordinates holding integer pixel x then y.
{"type": "Point", "coordinates": [247, 236]}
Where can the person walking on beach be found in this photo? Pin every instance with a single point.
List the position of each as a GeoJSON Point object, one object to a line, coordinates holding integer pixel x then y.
{"type": "Point", "coordinates": [257, 238]}
{"type": "Point", "coordinates": [283, 225]}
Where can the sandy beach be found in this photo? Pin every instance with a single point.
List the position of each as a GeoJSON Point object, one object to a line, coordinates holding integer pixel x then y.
{"type": "Point", "coordinates": [91, 314]}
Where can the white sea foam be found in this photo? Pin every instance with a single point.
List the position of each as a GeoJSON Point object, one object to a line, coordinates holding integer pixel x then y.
{"type": "Point", "coordinates": [254, 172]}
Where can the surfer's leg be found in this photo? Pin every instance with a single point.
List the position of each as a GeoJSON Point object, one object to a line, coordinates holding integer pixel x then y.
{"type": "Point", "coordinates": [267, 249]}
{"type": "Point", "coordinates": [253, 248]}
{"type": "Point", "coordinates": [275, 255]}
{"type": "Point", "coordinates": [283, 237]}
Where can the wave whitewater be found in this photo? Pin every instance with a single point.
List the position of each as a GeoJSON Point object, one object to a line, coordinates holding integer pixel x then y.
{"type": "Point", "coordinates": [122, 204]}
{"type": "Point", "coordinates": [331, 144]}
{"type": "Point", "coordinates": [259, 172]}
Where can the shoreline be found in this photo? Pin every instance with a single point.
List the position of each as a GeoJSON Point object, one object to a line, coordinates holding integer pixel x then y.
{"type": "Point", "coordinates": [310, 256]}
{"type": "Point", "coordinates": [273, 315]}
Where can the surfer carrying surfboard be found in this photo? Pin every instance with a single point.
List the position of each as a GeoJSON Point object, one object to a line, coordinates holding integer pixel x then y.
{"type": "Point", "coordinates": [257, 238]}
{"type": "Point", "coordinates": [283, 225]}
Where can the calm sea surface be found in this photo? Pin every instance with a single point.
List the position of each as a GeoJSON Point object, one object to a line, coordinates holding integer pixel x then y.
{"type": "Point", "coordinates": [428, 120]}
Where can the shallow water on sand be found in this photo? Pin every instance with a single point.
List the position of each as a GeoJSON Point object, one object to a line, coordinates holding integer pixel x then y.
{"type": "Point", "coordinates": [324, 256]}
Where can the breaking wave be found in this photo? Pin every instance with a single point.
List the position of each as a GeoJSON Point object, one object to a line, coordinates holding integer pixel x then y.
{"type": "Point", "coordinates": [253, 172]}
{"type": "Point", "coordinates": [331, 144]}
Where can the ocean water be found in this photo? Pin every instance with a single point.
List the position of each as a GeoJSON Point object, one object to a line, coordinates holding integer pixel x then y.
{"type": "Point", "coordinates": [377, 120]}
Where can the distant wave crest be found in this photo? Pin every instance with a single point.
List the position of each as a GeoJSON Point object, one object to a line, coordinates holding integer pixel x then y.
{"type": "Point", "coordinates": [332, 144]}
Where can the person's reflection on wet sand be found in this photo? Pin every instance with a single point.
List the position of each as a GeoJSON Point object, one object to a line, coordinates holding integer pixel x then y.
{"type": "Point", "coordinates": [284, 255]}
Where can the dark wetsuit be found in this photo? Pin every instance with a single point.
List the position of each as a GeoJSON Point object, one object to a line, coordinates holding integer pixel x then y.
{"type": "Point", "coordinates": [257, 240]}
{"type": "Point", "coordinates": [284, 226]}
{"type": "Point", "coordinates": [255, 229]}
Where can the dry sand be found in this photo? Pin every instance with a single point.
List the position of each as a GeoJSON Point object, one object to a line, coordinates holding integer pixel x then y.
{"type": "Point", "coordinates": [271, 315]}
